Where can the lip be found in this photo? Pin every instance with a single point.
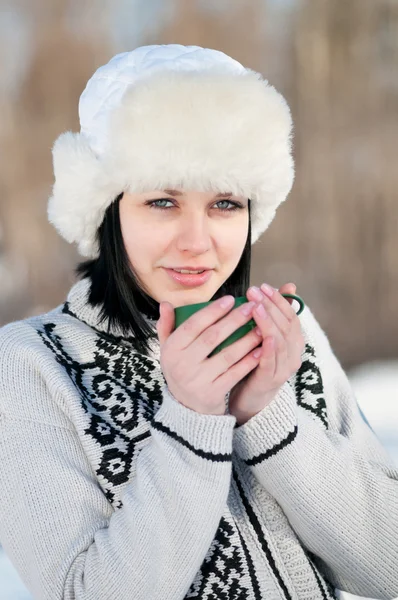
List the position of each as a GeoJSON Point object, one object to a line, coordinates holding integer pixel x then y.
{"type": "Point", "coordinates": [188, 279]}
{"type": "Point", "coordinates": [198, 268]}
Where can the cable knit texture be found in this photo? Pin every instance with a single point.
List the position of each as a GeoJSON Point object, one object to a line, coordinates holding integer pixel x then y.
{"type": "Point", "coordinates": [111, 489]}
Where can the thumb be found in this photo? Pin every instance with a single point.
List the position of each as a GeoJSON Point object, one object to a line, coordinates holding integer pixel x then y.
{"type": "Point", "coordinates": [288, 288]}
{"type": "Point", "coordinates": [165, 324]}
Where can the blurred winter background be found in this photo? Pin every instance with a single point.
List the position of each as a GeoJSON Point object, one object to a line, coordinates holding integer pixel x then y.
{"type": "Point", "coordinates": [335, 61]}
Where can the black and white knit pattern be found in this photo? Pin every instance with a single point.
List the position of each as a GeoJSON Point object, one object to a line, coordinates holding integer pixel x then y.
{"type": "Point", "coordinates": [100, 463]}
{"type": "Point", "coordinates": [120, 393]}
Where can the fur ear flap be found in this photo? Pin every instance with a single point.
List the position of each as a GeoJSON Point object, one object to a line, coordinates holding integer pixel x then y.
{"type": "Point", "coordinates": [71, 208]}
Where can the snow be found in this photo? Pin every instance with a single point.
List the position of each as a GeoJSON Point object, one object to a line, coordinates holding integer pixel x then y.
{"type": "Point", "coordinates": [10, 584]}
{"type": "Point", "coordinates": [376, 388]}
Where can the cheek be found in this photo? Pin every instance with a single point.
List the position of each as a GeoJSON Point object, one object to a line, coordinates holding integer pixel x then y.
{"type": "Point", "coordinates": [137, 246]}
{"type": "Point", "coordinates": [133, 237]}
{"type": "Point", "coordinates": [233, 241]}
{"type": "Point", "coordinates": [143, 245]}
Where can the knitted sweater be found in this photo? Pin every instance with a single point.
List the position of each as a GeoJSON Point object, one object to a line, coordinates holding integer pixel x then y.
{"type": "Point", "coordinates": [110, 489]}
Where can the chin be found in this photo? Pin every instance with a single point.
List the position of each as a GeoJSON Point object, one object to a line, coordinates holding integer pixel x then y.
{"type": "Point", "coordinates": [192, 296]}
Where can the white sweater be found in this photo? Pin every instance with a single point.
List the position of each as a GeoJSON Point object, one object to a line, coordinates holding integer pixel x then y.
{"type": "Point", "coordinates": [112, 490]}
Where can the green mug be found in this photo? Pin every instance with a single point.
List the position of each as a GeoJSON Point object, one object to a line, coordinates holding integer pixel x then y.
{"type": "Point", "coordinates": [182, 313]}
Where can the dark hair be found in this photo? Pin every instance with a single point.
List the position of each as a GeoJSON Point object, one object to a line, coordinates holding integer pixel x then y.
{"type": "Point", "coordinates": [117, 290]}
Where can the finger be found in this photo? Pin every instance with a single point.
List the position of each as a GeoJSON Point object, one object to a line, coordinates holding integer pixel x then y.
{"type": "Point", "coordinates": [278, 300]}
{"type": "Point", "coordinates": [209, 339]}
{"type": "Point", "coordinates": [190, 329]}
{"type": "Point", "coordinates": [288, 288]}
{"type": "Point", "coordinates": [268, 360]}
{"type": "Point", "coordinates": [282, 323]}
{"type": "Point", "coordinates": [238, 371]}
{"type": "Point", "coordinates": [281, 361]}
{"type": "Point", "coordinates": [281, 352]}
{"type": "Point", "coordinates": [281, 344]}
{"type": "Point", "coordinates": [165, 324]}
{"type": "Point", "coordinates": [222, 361]}
{"type": "Point", "coordinates": [287, 348]}
{"type": "Point", "coordinates": [292, 345]}
{"type": "Point", "coordinates": [267, 325]}
{"type": "Point", "coordinates": [257, 294]}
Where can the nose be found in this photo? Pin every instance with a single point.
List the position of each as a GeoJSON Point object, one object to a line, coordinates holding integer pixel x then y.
{"type": "Point", "coordinates": [194, 235]}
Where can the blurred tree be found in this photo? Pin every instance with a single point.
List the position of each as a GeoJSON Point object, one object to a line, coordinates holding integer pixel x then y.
{"type": "Point", "coordinates": [36, 265]}
{"type": "Point", "coordinates": [345, 99]}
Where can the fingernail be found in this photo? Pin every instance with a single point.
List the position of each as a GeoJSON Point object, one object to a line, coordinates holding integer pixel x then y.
{"type": "Point", "coordinates": [227, 301]}
{"type": "Point", "coordinates": [247, 308]}
{"type": "Point", "coordinates": [260, 310]}
{"type": "Point", "coordinates": [267, 289]}
{"type": "Point", "coordinates": [256, 292]}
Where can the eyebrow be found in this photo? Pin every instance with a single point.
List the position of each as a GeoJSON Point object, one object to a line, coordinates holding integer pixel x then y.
{"type": "Point", "coordinates": [177, 193]}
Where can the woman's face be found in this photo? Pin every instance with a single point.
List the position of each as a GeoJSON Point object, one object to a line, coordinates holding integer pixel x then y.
{"type": "Point", "coordinates": [183, 228]}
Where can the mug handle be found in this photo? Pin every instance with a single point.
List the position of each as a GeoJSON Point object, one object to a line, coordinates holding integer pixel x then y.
{"type": "Point", "coordinates": [298, 299]}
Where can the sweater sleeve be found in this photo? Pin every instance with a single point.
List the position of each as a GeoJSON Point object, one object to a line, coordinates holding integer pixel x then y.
{"type": "Point", "coordinates": [60, 531]}
{"type": "Point", "coordinates": [314, 452]}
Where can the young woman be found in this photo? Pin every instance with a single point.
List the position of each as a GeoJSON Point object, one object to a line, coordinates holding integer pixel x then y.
{"type": "Point", "coordinates": [122, 474]}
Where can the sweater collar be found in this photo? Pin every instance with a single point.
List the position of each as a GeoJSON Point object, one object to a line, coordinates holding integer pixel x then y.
{"type": "Point", "coordinates": [78, 306]}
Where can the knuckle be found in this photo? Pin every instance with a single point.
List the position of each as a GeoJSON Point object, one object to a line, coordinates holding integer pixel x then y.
{"type": "Point", "coordinates": [227, 356]}
{"type": "Point", "coordinates": [187, 326]}
{"type": "Point", "coordinates": [254, 339]}
{"type": "Point", "coordinates": [211, 336]}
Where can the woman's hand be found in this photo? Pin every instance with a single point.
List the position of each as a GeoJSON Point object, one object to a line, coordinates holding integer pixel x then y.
{"type": "Point", "coordinates": [282, 348]}
{"type": "Point", "coordinates": [195, 380]}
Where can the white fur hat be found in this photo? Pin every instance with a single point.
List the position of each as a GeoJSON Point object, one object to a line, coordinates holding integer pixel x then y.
{"type": "Point", "coordinates": [165, 117]}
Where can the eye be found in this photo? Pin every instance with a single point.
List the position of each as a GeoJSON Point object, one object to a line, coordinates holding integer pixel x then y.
{"type": "Point", "coordinates": [153, 204]}
{"type": "Point", "coordinates": [234, 205]}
